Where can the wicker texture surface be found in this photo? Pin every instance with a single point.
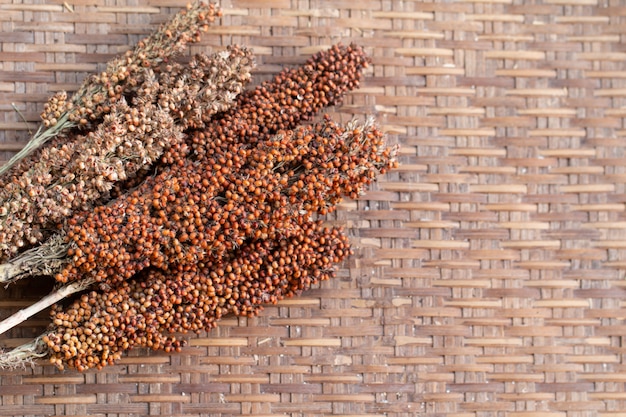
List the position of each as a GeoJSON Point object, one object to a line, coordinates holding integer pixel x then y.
{"type": "Point", "coordinates": [488, 275]}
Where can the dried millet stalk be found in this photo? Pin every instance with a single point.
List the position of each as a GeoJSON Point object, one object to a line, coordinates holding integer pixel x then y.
{"type": "Point", "coordinates": [96, 329]}
{"type": "Point", "coordinates": [78, 173]}
{"type": "Point", "coordinates": [98, 93]}
{"type": "Point", "coordinates": [185, 216]}
{"type": "Point", "coordinates": [124, 73]}
{"type": "Point", "coordinates": [292, 97]}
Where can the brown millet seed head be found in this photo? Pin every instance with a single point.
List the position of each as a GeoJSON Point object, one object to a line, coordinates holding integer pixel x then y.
{"type": "Point", "coordinates": [99, 326]}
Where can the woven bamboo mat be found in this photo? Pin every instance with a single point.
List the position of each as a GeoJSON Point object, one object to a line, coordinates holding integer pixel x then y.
{"type": "Point", "coordinates": [488, 275]}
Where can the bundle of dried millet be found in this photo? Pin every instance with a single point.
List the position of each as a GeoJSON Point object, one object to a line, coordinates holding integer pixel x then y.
{"type": "Point", "coordinates": [292, 97]}
{"type": "Point", "coordinates": [278, 253]}
{"type": "Point", "coordinates": [223, 230]}
{"type": "Point", "coordinates": [221, 148]}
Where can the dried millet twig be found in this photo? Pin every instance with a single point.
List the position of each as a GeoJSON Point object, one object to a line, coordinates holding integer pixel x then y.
{"type": "Point", "coordinates": [98, 93]}
{"type": "Point", "coordinates": [47, 301]}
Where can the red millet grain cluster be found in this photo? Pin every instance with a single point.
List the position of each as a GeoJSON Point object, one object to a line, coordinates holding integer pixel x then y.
{"type": "Point", "coordinates": [96, 329]}
{"type": "Point", "coordinates": [183, 216]}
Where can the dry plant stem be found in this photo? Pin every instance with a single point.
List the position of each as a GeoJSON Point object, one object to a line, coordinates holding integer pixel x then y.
{"type": "Point", "coordinates": [23, 355]}
{"type": "Point", "coordinates": [39, 138]}
{"type": "Point", "coordinates": [55, 296]}
{"type": "Point", "coordinates": [46, 259]}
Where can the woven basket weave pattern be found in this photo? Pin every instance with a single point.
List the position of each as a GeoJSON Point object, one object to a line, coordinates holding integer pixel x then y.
{"type": "Point", "coordinates": [488, 275]}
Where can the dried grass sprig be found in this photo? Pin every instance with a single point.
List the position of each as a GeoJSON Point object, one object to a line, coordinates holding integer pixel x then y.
{"type": "Point", "coordinates": [24, 355]}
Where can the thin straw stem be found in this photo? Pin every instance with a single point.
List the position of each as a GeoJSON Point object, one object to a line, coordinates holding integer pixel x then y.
{"type": "Point", "coordinates": [55, 296]}
{"type": "Point", "coordinates": [40, 137]}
